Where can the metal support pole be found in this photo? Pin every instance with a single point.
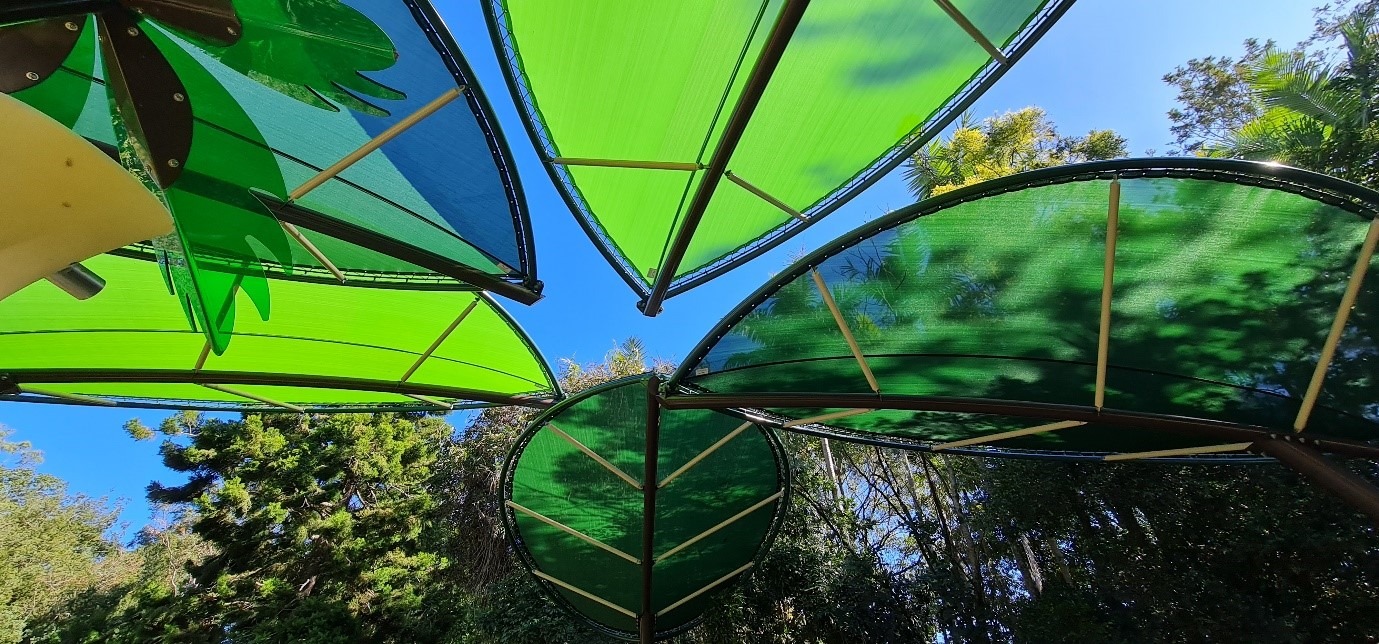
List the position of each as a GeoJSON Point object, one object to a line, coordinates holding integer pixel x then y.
{"type": "Point", "coordinates": [647, 622]}
{"type": "Point", "coordinates": [752, 90]}
{"type": "Point", "coordinates": [1313, 465]}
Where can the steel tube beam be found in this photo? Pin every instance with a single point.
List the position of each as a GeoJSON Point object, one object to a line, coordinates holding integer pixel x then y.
{"type": "Point", "coordinates": [788, 19]}
{"type": "Point", "coordinates": [646, 624]}
{"type": "Point", "coordinates": [1314, 466]}
{"type": "Point", "coordinates": [1226, 432]}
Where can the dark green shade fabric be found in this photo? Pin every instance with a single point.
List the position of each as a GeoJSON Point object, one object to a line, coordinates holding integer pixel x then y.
{"type": "Point", "coordinates": [548, 475]}
{"type": "Point", "coordinates": [327, 348]}
{"type": "Point", "coordinates": [298, 87]}
{"type": "Point", "coordinates": [1227, 278]}
{"type": "Point", "coordinates": [859, 84]}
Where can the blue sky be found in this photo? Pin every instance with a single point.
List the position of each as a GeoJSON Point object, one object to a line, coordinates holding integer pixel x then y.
{"type": "Point", "coordinates": [1100, 67]}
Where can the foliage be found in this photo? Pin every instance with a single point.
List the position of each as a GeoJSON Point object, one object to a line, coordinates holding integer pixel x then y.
{"type": "Point", "coordinates": [1214, 99]}
{"type": "Point", "coordinates": [316, 527]}
{"type": "Point", "coordinates": [1313, 106]}
{"type": "Point", "coordinates": [1002, 145]}
{"type": "Point", "coordinates": [51, 543]}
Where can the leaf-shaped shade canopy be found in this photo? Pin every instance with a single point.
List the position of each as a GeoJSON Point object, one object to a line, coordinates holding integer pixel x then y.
{"type": "Point", "coordinates": [579, 524]}
{"type": "Point", "coordinates": [327, 348]}
{"type": "Point", "coordinates": [628, 102]}
{"type": "Point", "coordinates": [64, 201]}
{"type": "Point", "coordinates": [305, 85]}
{"type": "Point", "coordinates": [979, 312]}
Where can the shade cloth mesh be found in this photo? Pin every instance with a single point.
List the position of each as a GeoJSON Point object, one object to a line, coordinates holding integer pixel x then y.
{"type": "Point", "coordinates": [1223, 297]}
{"type": "Point", "coordinates": [550, 476]}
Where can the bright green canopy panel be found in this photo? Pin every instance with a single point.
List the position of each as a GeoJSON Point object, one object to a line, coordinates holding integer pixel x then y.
{"type": "Point", "coordinates": [576, 505]}
{"type": "Point", "coordinates": [633, 104]}
{"type": "Point", "coordinates": [980, 312]}
{"type": "Point", "coordinates": [357, 122]}
{"type": "Point", "coordinates": [327, 348]}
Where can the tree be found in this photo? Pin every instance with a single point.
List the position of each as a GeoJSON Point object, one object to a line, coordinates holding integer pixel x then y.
{"type": "Point", "coordinates": [1214, 99]}
{"type": "Point", "coordinates": [1002, 145]}
{"type": "Point", "coordinates": [317, 525]}
{"type": "Point", "coordinates": [1318, 114]}
{"type": "Point", "coordinates": [52, 544]}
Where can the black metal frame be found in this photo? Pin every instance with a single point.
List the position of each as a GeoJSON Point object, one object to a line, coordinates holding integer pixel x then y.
{"type": "Point", "coordinates": [511, 63]}
{"type": "Point", "coordinates": [789, 17]}
{"type": "Point", "coordinates": [782, 505]}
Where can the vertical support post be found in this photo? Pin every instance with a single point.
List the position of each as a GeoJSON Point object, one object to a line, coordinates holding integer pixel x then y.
{"type": "Point", "coordinates": [781, 33]}
{"type": "Point", "coordinates": [647, 622]}
{"type": "Point", "coordinates": [1108, 279]}
{"type": "Point", "coordinates": [1313, 465]}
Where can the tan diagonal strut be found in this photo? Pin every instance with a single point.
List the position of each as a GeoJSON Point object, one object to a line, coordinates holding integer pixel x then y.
{"type": "Point", "coordinates": [765, 196]}
{"type": "Point", "coordinates": [705, 454]}
{"type": "Point", "coordinates": [723, 524]}
{"type": "Point", "coordinates": [571, 531]}
{"type": "Point", "coordinates": [825, 417]}
{"type": "Point", "coordinates": [440, 339]}
{"type": "Point", "coordinates": [1333, 338]}
{"type": "Point", "coordinates": [713, 584]}
{"type": "Point", "coordinates": [1051, 427]}
{"type": "Point", "coordinates": [625, 163]}
{"type": "Point", "coordinates": [593, 455]}
{"type": "Point", "coordinates": [843, 327]}
{"type": "Point", "coordinates": [584, 593]}
{"type": "Point", "coordinates": [90, 400]}
{"type": "Point", "coordinates": [1186, 451]}
{"type": "Point", "coordinates": [1108, 278]}
{"type": "Point", "coordinates": [973, 31]}
{"type": "Point", "coordinates": [254, 397]}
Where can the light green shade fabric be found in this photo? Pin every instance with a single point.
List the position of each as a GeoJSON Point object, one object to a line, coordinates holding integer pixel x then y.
{"type": "Point", "coordinates": [549, 475]}
{"type": "Point", "coordinates": [657, 81]}
{"type": "Point", "coordinates": [1223, 296]}
{"type": "Point", "coordinates": [326, 346]}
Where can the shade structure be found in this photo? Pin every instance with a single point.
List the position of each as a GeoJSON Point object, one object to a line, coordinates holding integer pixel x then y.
{"type": "Point", "coordinates": [328, 347]}
{"type": "Point", "coordinates": [691, 137]}
{"type": "Point", "coordinates": [1124, 306]}
{"type": "Point", "coordinates": [577, 501]}
{"type": "Point", "coordinates": [65, 200]}
{"type": "Point", "coordinates": [244, 114]}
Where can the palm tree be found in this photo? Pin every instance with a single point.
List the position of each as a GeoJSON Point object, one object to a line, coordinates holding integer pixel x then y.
{"type": "Point", "coordinates": [1318, 114]}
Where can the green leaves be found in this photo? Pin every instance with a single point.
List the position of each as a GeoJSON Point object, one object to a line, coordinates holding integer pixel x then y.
{"type": "Point", "coordinates": [311, 50]}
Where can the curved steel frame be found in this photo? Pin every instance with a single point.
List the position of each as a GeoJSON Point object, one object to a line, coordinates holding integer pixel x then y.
{"type": "Point", "coordinates": [510, 519]}
{"type": "Point", "coordinates": [510, 62]}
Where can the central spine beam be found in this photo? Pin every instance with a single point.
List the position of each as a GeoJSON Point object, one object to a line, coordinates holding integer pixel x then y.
{"type": "Point", "coordinates": [765, 67]}
{"type": "Point", "coordinates": [647, 622]}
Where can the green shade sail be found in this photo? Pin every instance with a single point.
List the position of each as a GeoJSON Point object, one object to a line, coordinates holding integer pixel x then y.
{"type": "Point", "coordinates": [227, 108]}
{"type": "Point", "coordinates": [979, 312]}
{"type": "Point", "coordinates": [629, 102]}
{"type": "Point", "coordinates": [327, 348]}
{"type": "Point", "coordinates": [579, 525]}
